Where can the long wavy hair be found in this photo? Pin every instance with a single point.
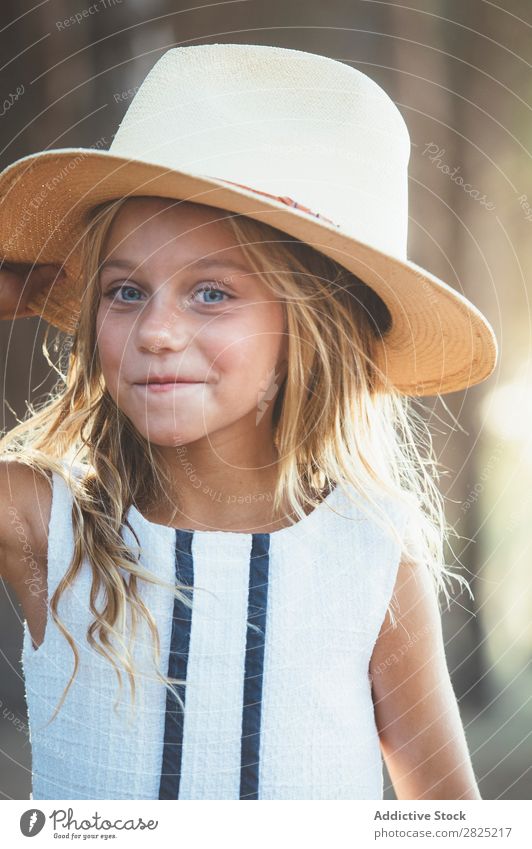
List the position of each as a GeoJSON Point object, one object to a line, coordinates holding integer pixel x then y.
{"type": "Point", "coordinates": [335, 421]}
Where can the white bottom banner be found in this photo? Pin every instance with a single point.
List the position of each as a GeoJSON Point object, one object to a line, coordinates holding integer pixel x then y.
{"type": "Point", "coordinates": [304, 823]}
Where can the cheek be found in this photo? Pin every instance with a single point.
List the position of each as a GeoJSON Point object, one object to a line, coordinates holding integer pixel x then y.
{"type": "Point", "coordinates": [111, 351]}
{"type": "Point", "coordinates": [248, 355]}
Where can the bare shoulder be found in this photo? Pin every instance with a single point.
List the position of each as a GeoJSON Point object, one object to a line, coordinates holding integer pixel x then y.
{"type": "Point", "coordinates": [25, 506]}
{"type": "Point", "coordinates": [416, 639]}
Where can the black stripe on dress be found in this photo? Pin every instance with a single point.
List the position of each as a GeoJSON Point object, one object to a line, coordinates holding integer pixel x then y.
{"type": "Point", "coordinates": [254, 666]}
{"type": "Point", "coordinates": [177, 668]}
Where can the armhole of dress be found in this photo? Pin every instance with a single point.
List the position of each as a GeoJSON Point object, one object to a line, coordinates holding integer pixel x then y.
{"type": "Point", "coordinates": [59, 555]}
{"type": "Point", "coordinates": [391, 574]}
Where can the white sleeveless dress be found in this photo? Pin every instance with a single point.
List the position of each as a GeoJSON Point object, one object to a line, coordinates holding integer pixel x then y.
{"type": "Point", "coordinates": [282, 712]}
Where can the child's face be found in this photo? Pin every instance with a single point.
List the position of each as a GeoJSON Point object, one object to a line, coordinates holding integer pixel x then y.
{"type": "Point", "coordinates": [215, 324]}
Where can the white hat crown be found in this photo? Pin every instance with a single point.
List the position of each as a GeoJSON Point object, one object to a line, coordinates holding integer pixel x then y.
{"type": "Point", "coordinates": [282, 121]}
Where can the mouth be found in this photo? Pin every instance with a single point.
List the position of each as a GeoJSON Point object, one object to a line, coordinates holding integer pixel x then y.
{"type": "Point", "coordinates": [155, 386]}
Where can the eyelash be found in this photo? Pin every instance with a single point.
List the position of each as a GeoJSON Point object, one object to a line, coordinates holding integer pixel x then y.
{"type": "Point", "coordinates": [111, 293]}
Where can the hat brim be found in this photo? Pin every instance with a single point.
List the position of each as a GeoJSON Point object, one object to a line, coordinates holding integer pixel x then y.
{"type": "Point", "coordinates": [438, 342]}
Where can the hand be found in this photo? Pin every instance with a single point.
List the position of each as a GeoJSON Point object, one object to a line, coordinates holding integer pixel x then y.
{"type": "Point", "coordinates": [19, 282]}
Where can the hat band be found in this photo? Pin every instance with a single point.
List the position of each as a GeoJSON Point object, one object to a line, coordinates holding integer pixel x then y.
{"type": "Point", "coordinates": [284, 199]}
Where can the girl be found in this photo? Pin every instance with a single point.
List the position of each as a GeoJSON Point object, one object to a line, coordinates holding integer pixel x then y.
{"type": "Point", "coordinates": [226, 497]}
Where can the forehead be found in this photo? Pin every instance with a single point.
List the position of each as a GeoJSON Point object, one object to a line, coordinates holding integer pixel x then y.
{"type": "Point", "coordinates": [160, 225]}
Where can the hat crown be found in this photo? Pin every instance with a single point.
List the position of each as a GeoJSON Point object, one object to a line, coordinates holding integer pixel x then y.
{"type": "Point", "coordinates": [282, 121]}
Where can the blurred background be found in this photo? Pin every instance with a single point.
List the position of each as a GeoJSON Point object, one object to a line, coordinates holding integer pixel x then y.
{"type": "Point", "coordinates": [460, 74]}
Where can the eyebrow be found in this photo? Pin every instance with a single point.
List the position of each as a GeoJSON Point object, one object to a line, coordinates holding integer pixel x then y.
{"type": "Point", "coordinates": [204, 262]}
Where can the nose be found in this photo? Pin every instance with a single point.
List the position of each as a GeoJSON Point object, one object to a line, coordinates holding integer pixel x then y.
{"type": "Point", "coordinates": [163, 323]}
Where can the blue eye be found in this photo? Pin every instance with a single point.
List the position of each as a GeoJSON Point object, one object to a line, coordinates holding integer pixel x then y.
{"type": "Point", "coordinates": [212, 290]}
{"type": "Point", "coordinates": [123, 287]}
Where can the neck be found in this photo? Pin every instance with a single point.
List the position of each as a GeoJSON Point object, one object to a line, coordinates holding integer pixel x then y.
{"type": "Point", "coordinates": [227, 486]}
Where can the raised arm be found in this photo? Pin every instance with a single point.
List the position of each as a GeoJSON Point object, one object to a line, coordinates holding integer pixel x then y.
{"type": "Point", "coordinates": [420, 729]}
{"type": "Point", "coordinates": [18, 283]}
{"type": "Point", "coordinates": [25, 496]}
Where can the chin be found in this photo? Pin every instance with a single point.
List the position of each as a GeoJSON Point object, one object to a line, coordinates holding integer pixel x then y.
{"type": "Point", "coordinates": [170, 437]}
{"type": "Point", "coordinates": [167, 439]}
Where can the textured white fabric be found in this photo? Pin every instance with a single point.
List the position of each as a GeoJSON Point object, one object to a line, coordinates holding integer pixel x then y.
{"type": "Point", "coordinates": [330, 581]}
{"type": "Point", "coordinates": [89, 752]}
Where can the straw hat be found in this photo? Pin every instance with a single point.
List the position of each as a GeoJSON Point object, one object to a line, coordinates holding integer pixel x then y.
{"type": "Point", "coordinates": [300, 141]}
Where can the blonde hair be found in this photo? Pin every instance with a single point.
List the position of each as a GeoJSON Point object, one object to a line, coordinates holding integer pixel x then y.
{"type": "Point", "coordinates": [335, 421]}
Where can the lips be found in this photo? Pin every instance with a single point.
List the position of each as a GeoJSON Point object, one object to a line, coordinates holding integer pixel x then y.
{"type": "Point", "coordinates": [172, 385]}
{"type": "Point", "coordinates": [167, 379]}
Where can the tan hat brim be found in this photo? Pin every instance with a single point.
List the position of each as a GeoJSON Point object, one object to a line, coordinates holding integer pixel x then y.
{"type": "Point", "coordinates": [439, 341]}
